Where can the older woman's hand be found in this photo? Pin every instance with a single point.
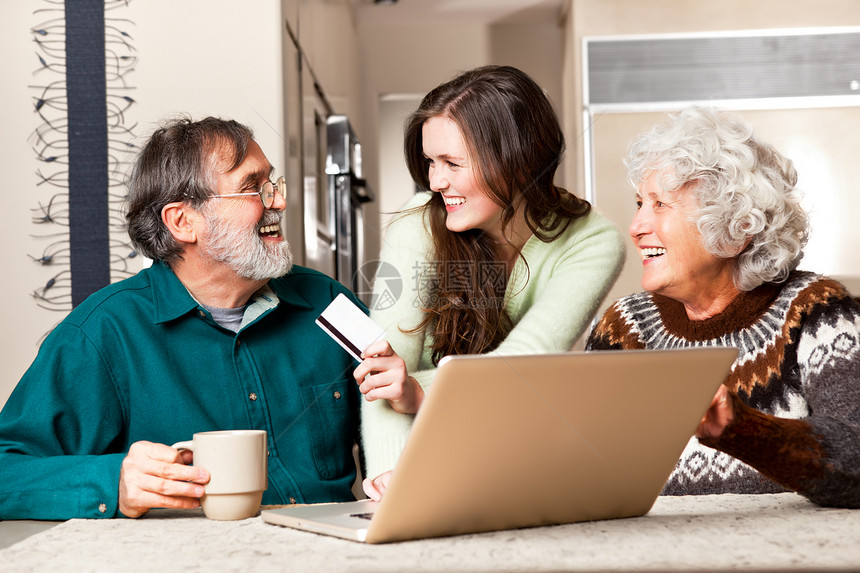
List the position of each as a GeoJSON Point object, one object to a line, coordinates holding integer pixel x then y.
{"type": "Point", "coordinates": [382, 375]}
{"type": "Point", "coordinates": [719, 415]}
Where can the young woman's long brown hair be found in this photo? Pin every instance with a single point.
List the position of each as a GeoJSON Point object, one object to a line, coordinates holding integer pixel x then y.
{"type": "Point", "coordinates": [515, 142]}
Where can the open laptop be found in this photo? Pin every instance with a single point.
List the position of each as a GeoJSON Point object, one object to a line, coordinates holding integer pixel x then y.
{"type": "Point", "coordinates": [505, 442]}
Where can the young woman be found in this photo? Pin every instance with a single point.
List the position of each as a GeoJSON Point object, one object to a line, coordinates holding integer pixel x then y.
{"type": "Point", "coordinates": [494, 258]}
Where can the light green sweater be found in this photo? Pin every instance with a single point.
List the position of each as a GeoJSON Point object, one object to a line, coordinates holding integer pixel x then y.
{"type": "Point", "coordinates": [550, 303]}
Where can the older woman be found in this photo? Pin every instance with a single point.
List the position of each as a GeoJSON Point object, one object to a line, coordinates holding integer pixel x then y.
{"type": "Point", "coordinates": [721, 231]}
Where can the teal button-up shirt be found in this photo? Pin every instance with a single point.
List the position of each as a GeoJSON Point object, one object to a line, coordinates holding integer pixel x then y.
{"type": "Point", "coordinates": [142, 360]}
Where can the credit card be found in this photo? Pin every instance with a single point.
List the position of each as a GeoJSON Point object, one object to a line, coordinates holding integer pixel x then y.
{"type": "Point", "coordinates": [347, 324]}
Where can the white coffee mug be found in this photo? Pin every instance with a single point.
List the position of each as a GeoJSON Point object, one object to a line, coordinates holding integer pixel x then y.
{"type": "Point", "coordinates": [237, 461]}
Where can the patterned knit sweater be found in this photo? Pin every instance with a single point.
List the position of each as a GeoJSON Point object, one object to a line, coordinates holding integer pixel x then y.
{"type": "Point", "coordinates": [797, 422]}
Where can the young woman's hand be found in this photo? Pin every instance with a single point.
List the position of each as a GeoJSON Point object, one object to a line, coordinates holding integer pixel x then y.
{"type": "Point", "coordinates": [375, 488]}
{"type": "Point", "coordinates": [382, 375]}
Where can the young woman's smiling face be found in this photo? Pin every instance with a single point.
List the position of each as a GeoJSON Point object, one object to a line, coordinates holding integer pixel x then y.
{"type": "Point", "coordinates": [452, 174]}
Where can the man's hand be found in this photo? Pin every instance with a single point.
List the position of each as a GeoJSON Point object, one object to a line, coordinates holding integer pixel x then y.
{"type": "Point", "coordinates": [375, 488]}
{"type": "Point", "coordinates": [719, 415]}
{"type": "Point", "coordinates": [382, 375]}
{"type": "Point", "coordinates": [156, 475]}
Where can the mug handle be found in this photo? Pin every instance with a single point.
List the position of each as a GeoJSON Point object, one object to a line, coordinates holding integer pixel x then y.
{"type": "Point", "coordinates": [188, 445]}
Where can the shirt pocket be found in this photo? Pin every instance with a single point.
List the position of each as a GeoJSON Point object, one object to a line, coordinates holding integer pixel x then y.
{"type": "Point", "coordinates": [331, 422]}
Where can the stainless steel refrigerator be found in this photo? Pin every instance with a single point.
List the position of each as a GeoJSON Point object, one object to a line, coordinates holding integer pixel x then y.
{"type": "Point", "coordinates": [348, 192]}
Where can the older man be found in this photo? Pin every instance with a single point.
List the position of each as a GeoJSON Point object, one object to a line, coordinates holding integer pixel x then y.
{"type": "Point", "coordinates": [217, 334]}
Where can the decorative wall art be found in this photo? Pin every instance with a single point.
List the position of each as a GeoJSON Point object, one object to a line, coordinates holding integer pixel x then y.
{"type": "Point", "coordinates": [81, 94]}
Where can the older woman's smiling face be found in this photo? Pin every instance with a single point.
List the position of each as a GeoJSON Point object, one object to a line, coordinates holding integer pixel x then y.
{"type": "Point", "coordinates": [674, 262]}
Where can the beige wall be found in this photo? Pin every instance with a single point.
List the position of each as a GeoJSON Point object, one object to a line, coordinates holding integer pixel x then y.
{"type": "Point", "coordinates": [23, 322]}
{"type": "Point", "coordinates": [395, 183]}
{"type": "Point", "coordinates": [536, 48]}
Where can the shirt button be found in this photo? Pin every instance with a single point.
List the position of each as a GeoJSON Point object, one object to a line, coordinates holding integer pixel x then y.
{"type": "Point", "coordinates": [253, 396]}
{"type": "Point", "coordinates": [202, 314]}
{"type": "Point", "coordinates": [238, 343]}
{"type": "Point", "coordinates": [292, 500]}
{"type": "Point", "coordinates": [102, 508]}
{"type": "Point", "coordinates": [337, 395]}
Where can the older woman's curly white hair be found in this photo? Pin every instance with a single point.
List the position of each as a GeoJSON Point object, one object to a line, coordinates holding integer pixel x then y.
{"type": "Point", "coordinates": [745, 190]}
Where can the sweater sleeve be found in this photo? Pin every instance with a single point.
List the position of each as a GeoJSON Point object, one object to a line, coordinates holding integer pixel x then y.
{"type": "Point", "coordinates": [819, 455]}
{"type": "Point", "coordinates": [54, 430]}
{"type": "Point", "coordinates": [568, 280]}
{"type": "Point", "coordinates": [396, 308]}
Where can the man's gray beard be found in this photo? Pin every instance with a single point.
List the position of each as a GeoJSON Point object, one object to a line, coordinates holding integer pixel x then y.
{"type": "Point", "coordinates": [243, 250]}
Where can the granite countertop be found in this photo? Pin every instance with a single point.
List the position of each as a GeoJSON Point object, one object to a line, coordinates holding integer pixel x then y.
{"type": "Point", "coordinates": [781, 532]}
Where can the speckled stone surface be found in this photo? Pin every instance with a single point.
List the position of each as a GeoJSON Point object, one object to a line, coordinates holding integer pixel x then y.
{"type": "Point", "coordinates": [726, 532]}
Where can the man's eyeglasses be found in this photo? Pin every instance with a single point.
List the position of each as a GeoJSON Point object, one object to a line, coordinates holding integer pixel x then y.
{"type": "Point", "coordinates": [266, 193]}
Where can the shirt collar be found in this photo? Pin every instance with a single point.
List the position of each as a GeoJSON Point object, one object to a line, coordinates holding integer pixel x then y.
{"type": "Point", "coordinates": [287, 294]}
{"type": "Point", "coordinates": [172, 299]}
